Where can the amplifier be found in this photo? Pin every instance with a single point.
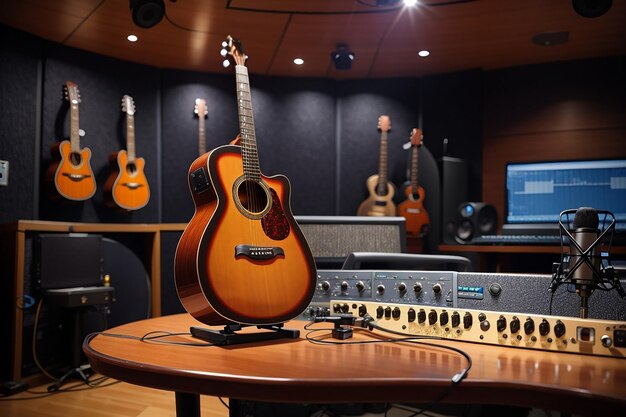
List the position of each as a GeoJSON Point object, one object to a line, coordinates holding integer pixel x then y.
{"type": "Point", "coordinates": [519, 293]}
{"type": "Point", "coordinates": [531, 331]}
{"type": "Point", "coordinates": [80, 296]}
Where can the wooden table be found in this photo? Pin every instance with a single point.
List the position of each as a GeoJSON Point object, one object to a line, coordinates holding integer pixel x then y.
{"type": "Point", "coordinates": [299, 371]}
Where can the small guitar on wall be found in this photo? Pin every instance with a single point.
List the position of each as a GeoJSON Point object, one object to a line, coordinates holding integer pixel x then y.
{"type": "Point", "coordinates": [127, 186]}
{"type": "Point", "coordinates": [242, 258]}
{"type": "Point", "coordinates": [201, 111]}
{"type": "Point", "coordinates": [70, 170]}
{"type": "Point", "coordinates": [380, 201]}
{"type": "Point", "coordinates": [412, 209]}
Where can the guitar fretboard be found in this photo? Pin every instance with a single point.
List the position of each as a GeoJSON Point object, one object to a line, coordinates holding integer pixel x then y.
{"type": "Point", "coordinates": [249, 152]}
{"type": "Point", "coordinates": [381, 187]}
{"type": "Point", "coordinates": [130, 136]}
{"type": "Point", "coordinates": [74, 130]}
{"type": "Point", "coordinates": [201, 135]}
{"type": "Point", "coordinates": [414, 167]}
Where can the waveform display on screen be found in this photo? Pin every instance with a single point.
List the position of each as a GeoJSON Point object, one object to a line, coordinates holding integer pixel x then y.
{"type": "Point", "coordinates": [538, 192]}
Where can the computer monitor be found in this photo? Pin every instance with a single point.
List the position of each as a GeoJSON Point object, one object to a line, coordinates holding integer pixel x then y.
{"type": "Point", "coordinates": [538, 192]}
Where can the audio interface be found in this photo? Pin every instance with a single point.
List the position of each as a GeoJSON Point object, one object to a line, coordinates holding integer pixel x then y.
{"type": "Point", "coordinates": [531, 331]}
{"type": "Point", "coordinates": [432, 288]}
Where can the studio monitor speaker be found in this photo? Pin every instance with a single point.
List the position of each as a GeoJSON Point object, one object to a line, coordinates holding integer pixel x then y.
{"type": "Point", "coordinates": [333, 238]}
{"type": "Point", "coordinates": [472, 220]}
{"type": "Point", "coordinates": [454, 191]}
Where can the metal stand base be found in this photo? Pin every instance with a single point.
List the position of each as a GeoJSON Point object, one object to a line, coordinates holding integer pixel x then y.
{"type": "Point", "coordinates": [229, 335]}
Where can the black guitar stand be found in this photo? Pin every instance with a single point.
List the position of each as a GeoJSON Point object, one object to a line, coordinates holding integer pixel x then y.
{"type": "Point", "coordinates": [229, 335]}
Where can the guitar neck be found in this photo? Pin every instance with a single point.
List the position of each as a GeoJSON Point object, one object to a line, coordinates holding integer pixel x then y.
{"type": "Point", "coordinates": [130, 137]}
{"type": "Point", "coordinates": [381, 187]}
{"type": "Point", "coordinates": [414, 167]}
{"type": "Point", "coordinates": [74, 130]}
{"type": "Point", "coordinates": [201, 136]}
{"type": "Point", "coordinates": [249, 152]}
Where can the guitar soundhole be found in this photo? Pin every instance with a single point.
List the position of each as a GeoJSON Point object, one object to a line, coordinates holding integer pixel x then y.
{"type": "Point", "coordinates": [131, 168]}
{"type": "Point", "coordinates": [252, 197]}
{"type": "Point", "coordinates": [75, 158]}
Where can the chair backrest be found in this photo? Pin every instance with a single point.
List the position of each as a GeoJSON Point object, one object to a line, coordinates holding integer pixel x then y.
{"type": "Point", "coordinates": [406, 261]}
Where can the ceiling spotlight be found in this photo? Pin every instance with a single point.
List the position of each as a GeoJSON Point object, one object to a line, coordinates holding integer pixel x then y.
{"type": "Point", "coordinates": [147, 13]}
{"type": "Point", "coordinates": [342, 57]}
{"type": "Point", "coordinates": [423, 53]}
{"type": "Point", "coordinates": [298, 61]}
{"type": "Point", "coordinates": [132, 38]}
{"type": "Point", "coordinates": [591, 8]}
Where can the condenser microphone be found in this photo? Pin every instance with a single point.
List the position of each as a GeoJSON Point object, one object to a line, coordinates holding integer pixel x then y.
{"type": "Point", "coordinates": [584, 264]}
{"type": "Point", "coordinates": [585, 232]}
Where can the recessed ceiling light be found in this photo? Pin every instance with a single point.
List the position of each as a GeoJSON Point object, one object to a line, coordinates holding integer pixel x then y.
{"type": "Point", "coordinates": [132, 38]}
{"type": "Point", "coordinates": [423, 53]}
{"type": "Point", "coordinates": [410, 3]}
{"type": "Point", "coordinates": [298, 61]}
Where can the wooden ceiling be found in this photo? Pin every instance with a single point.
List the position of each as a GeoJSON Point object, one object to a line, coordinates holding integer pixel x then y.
{"type": "Point", "coordinates": [460, 35]}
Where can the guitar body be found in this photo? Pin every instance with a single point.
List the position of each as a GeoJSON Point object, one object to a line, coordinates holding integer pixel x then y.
{"type": "Point", "coordinates": [378, 205]}
{"type": "Point", "coordinates": [412, 209]}
{"type": "Point", "coordinates": [71, 173]}
{"type": "Point", "coordinates": [126, 186]}
{"type": "Point", "coordinates": [234, 265]}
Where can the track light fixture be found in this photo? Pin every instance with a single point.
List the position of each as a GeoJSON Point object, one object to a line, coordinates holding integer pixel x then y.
{"type": "Point", "coordinates": [147, 13]}
{"type": "Point", "coordinates": [342, 57]}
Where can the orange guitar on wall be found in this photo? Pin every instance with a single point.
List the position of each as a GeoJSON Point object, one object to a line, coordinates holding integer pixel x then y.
{"type": "Point", "coordinates": [70, 171]}
{"type": "Point", "coordinates": [242, 258]}
{"type": "Point", "coordinates": [127, 186]}
{"type": "Point", "coordinates": [201, 111]}
{"type": "Point", "coordinates": [380, 201]}
{"type": "Point", "coordinates": [412, 209]}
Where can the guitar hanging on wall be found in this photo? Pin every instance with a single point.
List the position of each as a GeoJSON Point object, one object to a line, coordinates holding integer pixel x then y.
{"type": "Point", "coordinates": [70, 170]}
{"type": "Point", "coordinates": [242, 258]}
{"type": "Point", "coordinates": [201, 111]}
{"type": "Point", "coordinates": [412, 209]}
{"type": "Point", "coordinates": [127, 186]}
{"type": "Point", "coordinates": [381, 192]}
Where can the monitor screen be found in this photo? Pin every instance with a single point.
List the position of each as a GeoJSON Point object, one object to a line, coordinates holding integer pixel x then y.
{"type": "Point", "coordinates": [538, 192]}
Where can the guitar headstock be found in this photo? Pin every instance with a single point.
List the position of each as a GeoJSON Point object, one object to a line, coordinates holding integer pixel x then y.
{"type": "Point", "coordinates": [200, 108]}
{"type": "Point", "coordinates": [416, 137]}
{"type": "Point", "coordinates": [232, 49]}
{"type": "Point", "coordinates": [128, 105]}
{"type": "Point", "coordinates": [71, 93]}
{"type": "Point", "coordinates": [384, 123]}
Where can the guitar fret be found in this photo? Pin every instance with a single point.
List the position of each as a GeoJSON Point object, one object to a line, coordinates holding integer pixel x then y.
{"type": "Point", "coordinates": [381, 187]}
{"type": "Point", "coordinates": [74, 130]}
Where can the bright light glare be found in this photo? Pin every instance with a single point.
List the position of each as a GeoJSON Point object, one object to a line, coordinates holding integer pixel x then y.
{"type": "Point", "coordinates": [226, 63]}
{"type": "Point", "coordinates": [423, 53]}
{"type": "Point", "coordinates": [298, 61]}
{"type": "Point", "coordinates": [410, 3]}
{"type": "Point", "coordinates": [132, 38]}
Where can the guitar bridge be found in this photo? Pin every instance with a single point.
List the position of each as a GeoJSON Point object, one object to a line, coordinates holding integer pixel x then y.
{"type": "Point", "coordinates": [75, 177]}
{"type": "Point", "coordinates": [258, 253]}
{"type": "Point", "coordinates": [132, 185]}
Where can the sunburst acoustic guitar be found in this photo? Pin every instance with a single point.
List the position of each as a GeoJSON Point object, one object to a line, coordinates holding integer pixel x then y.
{"type": "Point", "coordinates": [381, 192]}
{"type": "Point", "coordinates": [201, 111]}
{"type": "Point", "coordinates": [412, 208]}
{"type": "Point", "coordinates": [127, 186]}
{"type": "Point", "coordinates": [70, 170]}
{"type": "Point", "coordinates": [242, 258]}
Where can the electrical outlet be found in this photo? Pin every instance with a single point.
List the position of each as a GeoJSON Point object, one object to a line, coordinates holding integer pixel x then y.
{"type": "Point", "coordinates": [4, 172]}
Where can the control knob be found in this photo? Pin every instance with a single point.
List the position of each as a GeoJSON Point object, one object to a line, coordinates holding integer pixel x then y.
{"type": "Point", "coordinates": [402, 287]}
{"type": "Point", "coordinates": [544, 327]}
{"type": "Point", "coordinates": [417, 287]}
{"type": "Point", "coordinates": [559, 328]}
{"type": "Point", "coordinates": [606, 341]}
{"type": "Point", "coordinates": [360, 286]}
{"type": "Point", "coordinates": [325, 285]}
{"type": "Point", "coordinates": [515, 325]}
{"type": "Point", "coordinates": [379, 312]}
{"type": "Point", "coordinates": [456, 319]}
{"type": "Point", "coordinates": [443, 318]}
{"type": "Point", "coordinates": [410, 315]}
{"type": "Point", "coordinates": [468, 320]}
{"type": "Point", "coordinates": [432, 317]}
{"type": "Point", "coordinates": [437, 288]}
{"type": "Point", "coordinates": [344, 286]}
{"type": "Point", "coordinates": [380, 289]}
{"type": "Point", "coordinates": [501, 323]}
{"type": "Point", "coordinates": [529, 326]}
{"type": "Point", "coordinates": [395, 313]}
{"type": "Point", "coordinates": [421, 316]}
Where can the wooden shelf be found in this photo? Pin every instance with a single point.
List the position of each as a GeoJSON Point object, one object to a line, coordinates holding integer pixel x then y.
{"type": "Point", "coordinates": [13, 263]}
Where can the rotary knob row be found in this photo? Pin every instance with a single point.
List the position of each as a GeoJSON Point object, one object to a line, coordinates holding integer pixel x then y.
{"type": "Point", "coordinates": [417, 288]}
{"type": "Point", "coordinates": [529, 326]}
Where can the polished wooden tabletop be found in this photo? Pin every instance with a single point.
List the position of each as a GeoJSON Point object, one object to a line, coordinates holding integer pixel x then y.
{"type": "Point", "coordinates": [297, 370]}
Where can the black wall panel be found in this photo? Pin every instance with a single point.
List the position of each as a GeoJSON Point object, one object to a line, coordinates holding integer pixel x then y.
{"type": "Point", "coordinates": [102, 82]}
{"type": "Point", "coordinates": [360, 103]}
{"type": "Point", "coordinates": [170, 303]}
{"type": "Point", "coordinates": [295, 121]}
{"type": "Point", "coordinates": [19, 80]}
{"type": "Point", "coordinates": [180, 131]}
{"type": "Point", "coordinates": [452, 109]}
